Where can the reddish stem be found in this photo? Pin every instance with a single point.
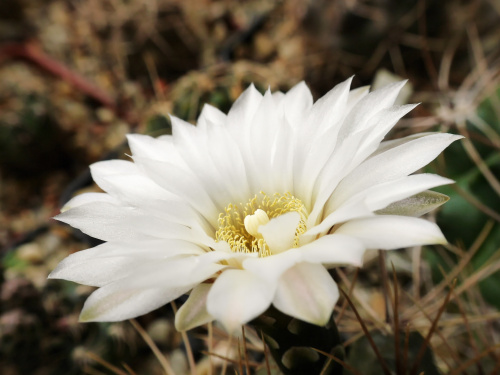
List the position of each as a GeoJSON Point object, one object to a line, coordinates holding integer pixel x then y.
{"type": "Point", "coordinates": [31, 52]}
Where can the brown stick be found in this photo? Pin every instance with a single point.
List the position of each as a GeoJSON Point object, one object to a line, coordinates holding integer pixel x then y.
{"type": "Point", "coordinates": [31, 52]}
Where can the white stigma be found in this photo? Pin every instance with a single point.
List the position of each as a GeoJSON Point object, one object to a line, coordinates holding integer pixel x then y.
{"type": "Point", "coordinates": [253, 222]}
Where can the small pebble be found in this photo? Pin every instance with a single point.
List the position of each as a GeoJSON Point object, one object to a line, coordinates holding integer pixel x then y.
{"type": "Point", "coordinates": [161, 331]}
{"type": "Point", "coordinates": [30, 252]}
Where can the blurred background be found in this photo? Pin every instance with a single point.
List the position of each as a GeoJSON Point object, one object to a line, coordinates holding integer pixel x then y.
{"type": "Point", "coordinates": [77, 75]}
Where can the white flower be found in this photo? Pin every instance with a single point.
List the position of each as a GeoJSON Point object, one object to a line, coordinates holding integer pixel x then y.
{"type": "Point", "coordinates": [250, 208]}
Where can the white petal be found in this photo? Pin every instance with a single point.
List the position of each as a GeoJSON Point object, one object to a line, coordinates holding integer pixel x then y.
{"type": "Point", "coordinates": [105, 221]}
{"type": "Point", "coordinates": [368, 106]}
{"type": "Point", "coordinates": [355, 96]}
{"type": "Point", "coordinates": [112, 167]}
{"type": "Point", "coordinates": [94, 272]}
{"type": "Point", "coordinates": [112, 303]}
{"type": "Point", "coordinates": [161, 148]}
{"type": "Point", "coordinates": [280, 231]}
{"type": "Point", "coordinates": [331, 250]}
{"type": "Point", "coordinates": [298, 100]}
{"type": "Point", "coordinates": [139, 191]}
{"type": "Point", "coordinates": [282, 159]}
{"type": "Point", "coordinates": [218, 176]}
{"type": "Point", "coordinates": [152, 284]}
{"type": "Point", "coordinates": [185, 185]}
{"type": "Point", "coordinates": [278, 98]}
{"type": "Point", "coordinates": [378, 197]}
{"type": "Point", "coordinates": [263, 136]}
{"type": "Point", "coordinates": [127, 184]}
{"type": "Point", "coordinates": [307, 292]}
{"type": "Point", "coordinates": [392, 232]}
{"type": "Point", "coordinates": [376, 128]}
{"type": "Point", "coordinates": [243, 109]}
{"type": "Point", "coordinates": [175, 272]}
{"type": "Point", "coordinates": [329, 110]}
{"type": "Point", "coordinates": [193, 312]}
{"type": "Point", "coordinates": [387, 145]}
{"type": "Point", "coordinates": [210, 114]}
{"type": "Point", "coordinates": [392, 164]}
{"type": "Point", "coordinates": [337, 167]}
{"type": "Point", "coordinates": [322, 125]}
{"type": "Point", "coordinates": [237, 297]}
{"type": "Point", "coordinates": [334, 249]}
{"type": "Point", "coordinates": [85, 198]}
{"type": "Point", "coordinates": [383, 121]}
{"type": "Point", "coordinates": [382, 195]}
{"type": "Point", "coordinates": [112, 261]}
{"type": "Point", "coordinates": [353, 208]}
{"type": "Point", "coordinates": [109, 222]}
{"type": "Point", "coordinates": [227, 156]}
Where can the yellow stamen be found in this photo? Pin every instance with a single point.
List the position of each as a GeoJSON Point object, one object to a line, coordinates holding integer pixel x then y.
{"type": "Point", "coordinates": [239, 224]}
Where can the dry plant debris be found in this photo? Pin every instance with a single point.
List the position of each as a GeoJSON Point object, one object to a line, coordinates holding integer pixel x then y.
{"type": "Point", "coordinates": [76, 76]}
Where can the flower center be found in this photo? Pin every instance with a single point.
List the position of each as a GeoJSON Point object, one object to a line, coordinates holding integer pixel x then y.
{"type": "Point", "coordinates": [239, 223]}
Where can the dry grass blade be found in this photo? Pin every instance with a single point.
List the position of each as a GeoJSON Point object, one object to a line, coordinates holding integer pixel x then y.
{"type": "Point", "coordinates": [224, 365]}
{"type": "Point", "coordinates": [345, 303]}
{"type": "Point", "coordinates": [339, 361]}
{"type": "Point", "coordinates": [189, 351]}
{"type": "Point", "coordinates": [477, 203]}
{"type": "Point", "coordinates": [492, 266]}
{"type": "Point", "coordinates": [385, 284]}
{"type": "Point", "coordinates": [425, 344]}
{"type": "Point", "coordinates": [367, 334]}
{"type": "Point", "coordinates": [225, 358]}
{"type": "Point", "coordinates": [496, 369]}
{"type": "Point", "coordinates": [425, 51]}
{"type": "Point", "coordinates": [438, 332]}
{"type": "Point", "coordinates": [446, 61]}
{"type": "Point", "coordinates": [352, 339]}
{"type": "Point", "coordinates": [478, 160]}
{"type": "Point", "coordinates": [106, 364]}
{"type": "Point", "coordinates": [399, 364]}
{"type": "Point", "coordinates": [210, 346]}
{"type": "Point", "coordinates": [229, 360]}
{"type": "Point", "coordinates": [161, 358]}
{"type": "Point", "coordinates": [481, 65]}
{"type": "Point", "coordinates": [266, 358]}
{"type": "Point", "coordinates": [366, 307]}
{"type": "Point", "coordinates": [472, 342]}
{"type": "Point", "coordinates": [493, 138]}
{"type": "Point", "coordinates": [92, 371]}
{"type": "Point", "coordinates": [416, 259]}
{"type": "Point", "coordinates": [471, 361]}
{"type": "Point", "coordinates": [406, 345]}
{"type": "Point", "coordinates": [129, 369]}
{"type": "Point", "coordinates": [326, 366]}
{"type": "Point", "coordinates": [464, 261]}
{"type": "Point", "coordinates": [245, 351]}
{"type": "Point", "coordinates": [240, 361]}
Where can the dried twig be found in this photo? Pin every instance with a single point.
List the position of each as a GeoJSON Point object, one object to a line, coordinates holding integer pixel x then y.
{"type": "Point", "coordinates": [31, 52]}
{"type": "Point", "coordinates": [382, 362]}
{"type": "Point", "coordinates": [161, 358]}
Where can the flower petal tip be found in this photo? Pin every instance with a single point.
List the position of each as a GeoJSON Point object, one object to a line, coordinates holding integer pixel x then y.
{"type": "Point", "coordinates": [193, 312]}
{"type": "Point", "coordinates": [86, 317]}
